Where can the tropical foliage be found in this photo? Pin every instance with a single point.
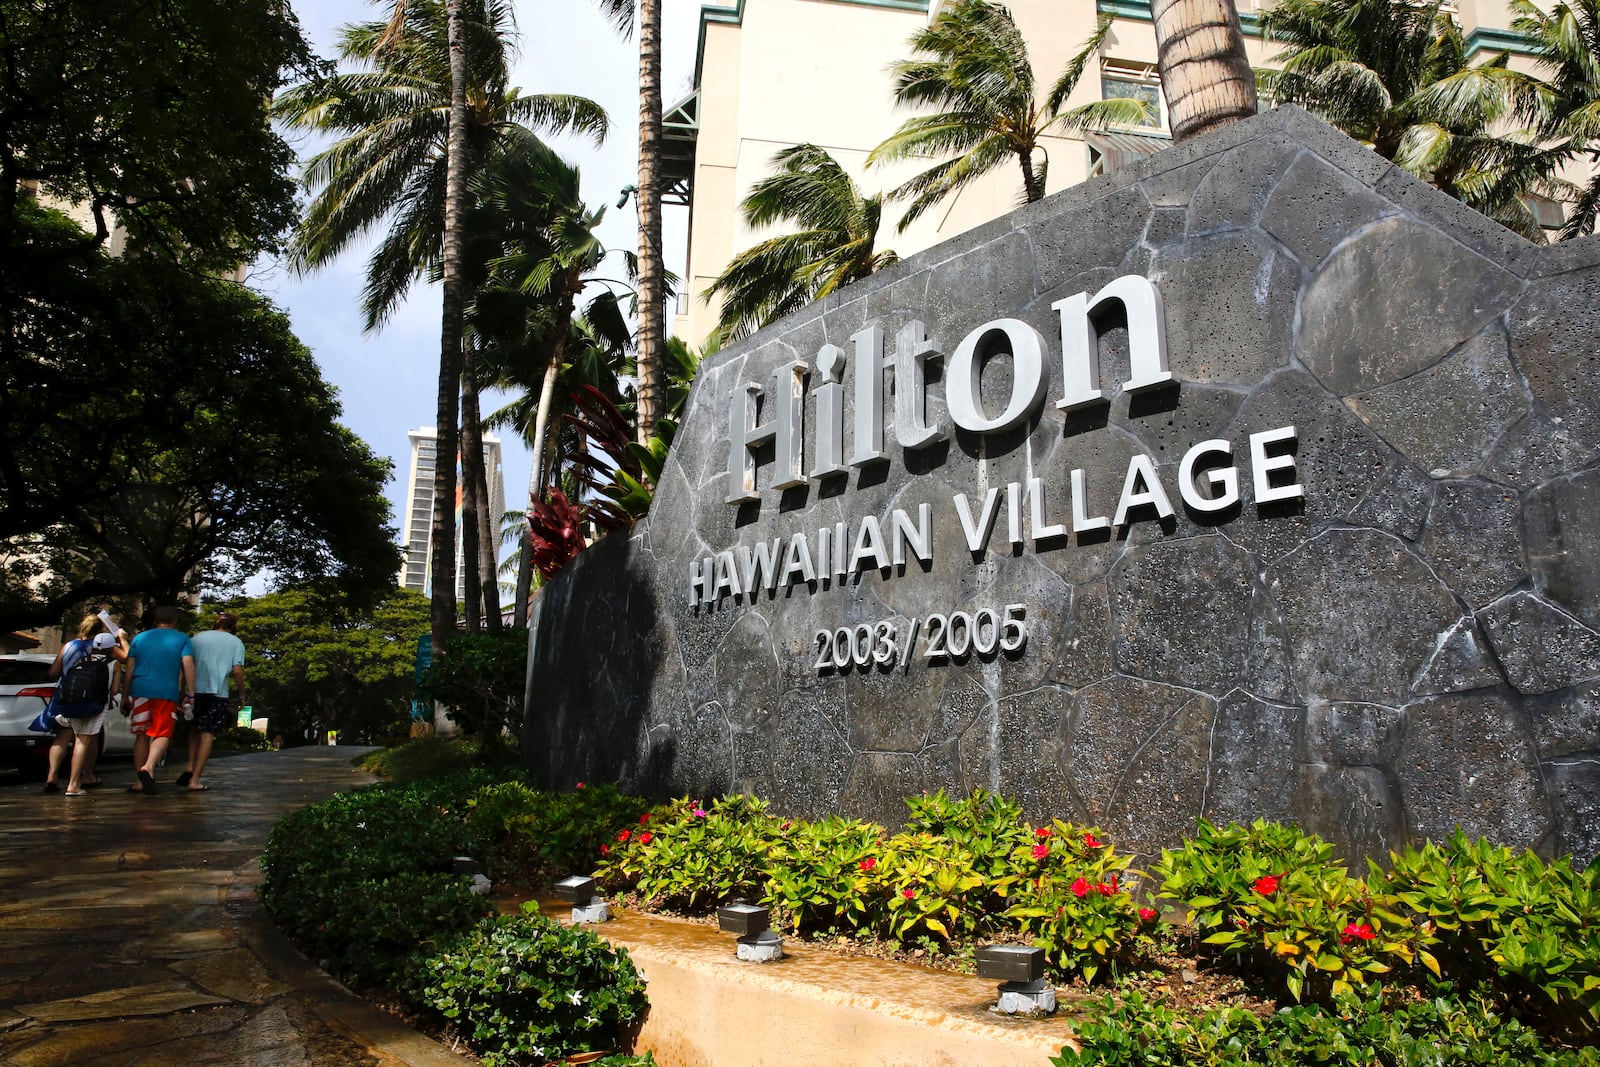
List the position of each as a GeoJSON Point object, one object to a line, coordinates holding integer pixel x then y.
{"type": "Point", "coordinates": [832, 245]}
{"type": "Point", "coordinates": [1566, 41]}
{"type": "Point", "coordinates": [1395, 75]}
{"type": "Point", "coordinates": [972, 69]}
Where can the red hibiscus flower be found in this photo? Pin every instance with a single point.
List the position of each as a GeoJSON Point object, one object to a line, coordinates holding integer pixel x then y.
{"type": "Point", "coordinates": [644, 818]}
{"type": "Point", "coordinates": [1357, 932]}
{"type": "Point", "coordinates": [1041, 851]}
{"type": "Point", "coordinates": [1146, 914]}
{"type": "Point", "coordinates": [1267, 885]}
{"type": "Point", "coordinates": [1093, 841]}
{"type": "Point", "coordinates": [644, 838]}
{"type": "Point", "coordinates": [605, 850]}
{"type": "Point", "coordinates": [1104, 890]}
{"type": "Point", "coordinates": [867, 864]}
{"type": "Point", "coordinates": [1043, 831]}
{"type": "Point", "coordinates": [1080, 888]}
{"type": "Point", "coordinates": [624, 835]}
{"type": "Point", "coordinates": [908, 894]}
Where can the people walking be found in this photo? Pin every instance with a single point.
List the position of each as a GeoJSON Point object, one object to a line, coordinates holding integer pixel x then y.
{"type": "Point", "coordinates": [218, 658]}
{"type": "Point", "coordinates": [160, 673]}
{"type": "Point", "coordinates": [81, 731]}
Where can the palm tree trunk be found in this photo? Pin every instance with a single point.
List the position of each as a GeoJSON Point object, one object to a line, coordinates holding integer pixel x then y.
{"type": "Point", "coordinates": [442, 613]}
{"type": "Point", "coordinates": [1032, 188]}
{"type": "Point", "coordinates": [652, 297]}
{"type": "Point", "coordinates": [473, 504]}
{"type": "Point", "coordinates": [1204, 71]}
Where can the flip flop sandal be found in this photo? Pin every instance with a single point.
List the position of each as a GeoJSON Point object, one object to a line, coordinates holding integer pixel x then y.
{"type": "Point", "coordinates": [147, 783]}
{"type": "Point", "coordinates": [183, 779]}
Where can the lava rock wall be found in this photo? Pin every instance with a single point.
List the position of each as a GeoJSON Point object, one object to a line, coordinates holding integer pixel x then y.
{"type": "Point", "coordinates": [1411, 646]}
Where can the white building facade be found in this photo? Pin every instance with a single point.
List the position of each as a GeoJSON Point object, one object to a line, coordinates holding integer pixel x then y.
{"type": "Point", "coordinates": [416, 570]}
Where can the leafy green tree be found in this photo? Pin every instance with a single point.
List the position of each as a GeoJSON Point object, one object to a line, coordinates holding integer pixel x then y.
{"type": "Point", "coordinates": [479, 680]}
{"type": "Point", "coordinates": [398, 157]}
{"type": "Point", "coordinates": [1394, 75]}
{"type": "Point", "coordinates": [832, 247]}
{"type": "Point", "coordinates": [162, 425]}
{"type": "Point", "coordinates": [973, 68]}
{"type": "Point", "coordinates": [151, 117]}
{"type": "Point", "coordinates": [1567, 43]}
{"type": "Point", "coordinates": [316, 660]}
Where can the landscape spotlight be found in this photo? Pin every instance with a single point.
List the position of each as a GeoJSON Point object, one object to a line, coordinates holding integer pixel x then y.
{"type": "Point", "coordinates": [756, 944]}
{"type": "Point", "coordinates": [1020, 969]}
{"type": "Point", "coordinates": [587, 907]}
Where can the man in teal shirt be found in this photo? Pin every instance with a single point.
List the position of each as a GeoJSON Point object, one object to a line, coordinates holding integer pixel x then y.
{"type": "Point", "coordinates": [218, 656]}
{"type": "Point", "coordinates": [160, 672]}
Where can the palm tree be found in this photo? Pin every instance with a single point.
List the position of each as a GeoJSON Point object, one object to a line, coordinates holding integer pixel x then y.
{"type": "Point", "coordinates": [832, 248]}
{"type": "Point", "coordinates": [400, 158]}
{"type": "Point", "coordinates": [1567, 43]}
{"type": "Point", "coordinates": [1395, 76]}
{"type": "Point", "coordinates": [1205, 74]}
{"type": "Point", "coordinates": [551, 254]}
{"type": "Point", "coordinates": [978, 74]}
{"type": "Point", "coordinates": [652, 283]}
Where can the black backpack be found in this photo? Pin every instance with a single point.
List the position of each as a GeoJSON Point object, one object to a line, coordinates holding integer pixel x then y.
{"type": "Point", "coordinates": [85, 689]}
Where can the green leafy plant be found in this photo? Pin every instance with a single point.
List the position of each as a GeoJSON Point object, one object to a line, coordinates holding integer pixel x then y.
{"type": "Point", "coordinates": [419, 758]}
{"type": "Point", "coordinates": [522, 986]}
{"type": "Point", "coordinates": [1276, 901]}
{"type": "Point", "coordinates": [363, 881]}
{"type": "Point", "coordinates": [565, 832]}
{"type": "Point", "coordinates": [692, 857]}
{"type": "Point", "coordinates": [242, 739]}
{"type": "Point", "coordinates": [480, 680]}
{"type": "Point", "coordinates": [1530, 928]}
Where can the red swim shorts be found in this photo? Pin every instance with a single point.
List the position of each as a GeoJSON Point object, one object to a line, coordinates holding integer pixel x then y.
{"type": "Point", "coordinates": [153, 716]}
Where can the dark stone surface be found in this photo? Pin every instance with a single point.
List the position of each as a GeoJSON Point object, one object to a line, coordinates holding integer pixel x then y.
{"type": "Point", "coordinates": [1411, 646]}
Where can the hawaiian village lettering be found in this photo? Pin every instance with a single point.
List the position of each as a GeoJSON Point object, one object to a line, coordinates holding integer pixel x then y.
{"type": "Point", "coordinates": [834, 554]}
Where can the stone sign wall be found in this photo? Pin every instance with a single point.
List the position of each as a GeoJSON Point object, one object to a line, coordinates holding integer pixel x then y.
{"type": "Point", "coordinates": [1325, 549]}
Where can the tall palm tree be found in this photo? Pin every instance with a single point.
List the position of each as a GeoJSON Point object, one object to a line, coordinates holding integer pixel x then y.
{"type": "Point", "coordinates": [400, 159]}
{"type": "Point", "coordinates": [1394, 75]}
{"type": "Point", "coordinates": [652, 283]}
{"type": "Point", "coordinates": [1566, 41]}
{"type": "Point", "coordinates": [833, 246]}
{"type": "Point", "coordinates": [1205, 74]}
{"type": "Point", "coordinates": [551, 252]}
{"type": "Point", "coordinates": [976, 72]}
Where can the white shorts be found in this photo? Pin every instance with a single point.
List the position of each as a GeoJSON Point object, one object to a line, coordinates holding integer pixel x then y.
{"type": "Point", "coordinates": [86, 726]}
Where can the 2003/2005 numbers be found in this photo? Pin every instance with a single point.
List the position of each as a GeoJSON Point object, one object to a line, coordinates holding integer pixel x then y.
{"type": "Point", "coordinates": [951, 636]}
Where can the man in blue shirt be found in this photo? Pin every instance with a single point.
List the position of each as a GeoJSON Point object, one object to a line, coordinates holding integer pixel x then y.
{"type": "Point", "coordinates": [159, 673]}
{"type": "Point", "coordinates": [218, 656]}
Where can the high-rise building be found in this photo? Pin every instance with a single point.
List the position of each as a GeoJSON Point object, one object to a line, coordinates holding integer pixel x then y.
{"type": "Point", "coordinates": [416, 570]}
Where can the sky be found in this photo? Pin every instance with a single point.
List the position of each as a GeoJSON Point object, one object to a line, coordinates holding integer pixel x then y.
{"type": "Point", "coordinates": [388, 380]}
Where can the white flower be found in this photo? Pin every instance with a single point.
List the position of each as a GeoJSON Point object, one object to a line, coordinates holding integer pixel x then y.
{"type": "Point", "coordinates": [361, 826]}
{"type": "Point", "coordinates": [575, 996]}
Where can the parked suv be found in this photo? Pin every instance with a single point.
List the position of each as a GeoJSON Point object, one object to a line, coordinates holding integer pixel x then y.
{"type": "Point", "coordinates": [25, 688]}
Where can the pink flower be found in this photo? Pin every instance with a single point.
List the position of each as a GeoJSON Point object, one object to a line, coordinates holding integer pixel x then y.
{"type": "Point", "coordinates": [644, 838]}
{"type": "Point", "coordinates": [1146, 914]}
{"type": "Point", "coordinates": [1080, 888]}
{"type": "Point", "coordinates": [1093, 841]}
{"type": "Point", "coordinates": [698, 813]}
{"type": "Point", "coordinates": [867, 864]}
{"type": "Point", "coordinates": [908, 894]}
{"type": "Point", "coordinates": [1357, 932]}
{"type": "Point", "coordinates": [624, 835]}
{"type": "Point", "coordinates": [1267, 885]}
{"type": "Point", "coordinates": [579, 785]}
{"type": "Point", "coordinates": [1041, 851]}
{"type": "Point", "coordinates": [1043, 831]}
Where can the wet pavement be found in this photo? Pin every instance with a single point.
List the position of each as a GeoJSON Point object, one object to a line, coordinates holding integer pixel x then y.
{"type": "Point", "coordinates": [131, 934]}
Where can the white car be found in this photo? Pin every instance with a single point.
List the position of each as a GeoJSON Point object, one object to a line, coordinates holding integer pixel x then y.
{"type": "Point", "coordinates": [25, 688]}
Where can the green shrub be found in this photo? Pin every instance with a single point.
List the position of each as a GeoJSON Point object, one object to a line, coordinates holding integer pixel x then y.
{"type": "Point", "coordinates": [1276, 901]}
{"type": "Point", "coordinates": [568, 832]}
{"type": "Point", "coordinates": [480, 681]}
{"type": "Point", "coordinates": [522, 986]}
{"type": "Point", "coordinates": [419, 758]}
{"type": "Point", "coordinates": [241, 739]}
{"type": "Point", "coordinates": [1490, 915]}
{"type": "Point", "coordinates": [362, 880]}
{"type": "Point", "coordinates": [1439, 1030]}
{"type": "Point", "coordinates": [693, 858]}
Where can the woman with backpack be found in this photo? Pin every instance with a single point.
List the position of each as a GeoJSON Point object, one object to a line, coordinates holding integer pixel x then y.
{"type": "Point", "coordinates": [95, 649]}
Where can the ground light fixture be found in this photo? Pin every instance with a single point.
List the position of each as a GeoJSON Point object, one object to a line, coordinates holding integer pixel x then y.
{"type": "Point", "coordinates": [587, 907]}
{"type": "Point", "coordinates": [757, 943]}
{"type": "Point", "coordinates": [1020, 969]}
{"type": "Point", "coordinates": [468, 865]}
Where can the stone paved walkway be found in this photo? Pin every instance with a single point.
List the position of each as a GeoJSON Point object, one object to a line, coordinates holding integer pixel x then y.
{"type": "Point", "coordinates": [131, 936]}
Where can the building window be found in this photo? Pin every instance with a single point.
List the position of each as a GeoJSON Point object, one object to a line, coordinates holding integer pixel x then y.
{"type": "Point", "coordinates": [1134, 81]}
